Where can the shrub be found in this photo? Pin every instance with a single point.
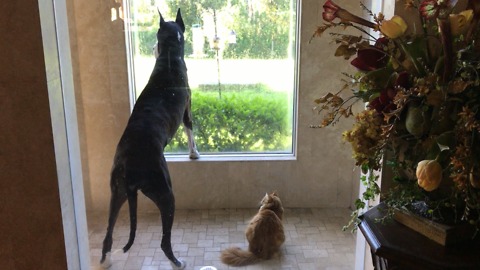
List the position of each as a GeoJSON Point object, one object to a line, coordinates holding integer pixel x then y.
{"type": "Point", "coordinates": [247, 121]}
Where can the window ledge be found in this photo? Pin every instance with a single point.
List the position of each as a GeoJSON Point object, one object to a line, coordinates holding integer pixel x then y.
{"type": "Point", "coordinates": [232, 157]}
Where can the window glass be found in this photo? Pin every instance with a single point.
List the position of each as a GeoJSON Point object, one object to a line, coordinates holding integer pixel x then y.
{"type": "Point", "coordinates": [241, 59]}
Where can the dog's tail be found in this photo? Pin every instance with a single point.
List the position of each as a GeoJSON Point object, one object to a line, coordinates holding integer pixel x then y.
{"type": "Point", "coordinates": [235, 256]}
{"type": "Point", "coordinates": [132, 206]}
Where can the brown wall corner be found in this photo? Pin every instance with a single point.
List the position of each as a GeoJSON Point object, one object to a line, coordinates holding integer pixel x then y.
{"type": "Point", "coordinates": [31, 217]}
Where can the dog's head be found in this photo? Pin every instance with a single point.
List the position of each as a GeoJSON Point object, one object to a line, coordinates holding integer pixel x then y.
{"type": "Point", "coordinates": [170, 36]}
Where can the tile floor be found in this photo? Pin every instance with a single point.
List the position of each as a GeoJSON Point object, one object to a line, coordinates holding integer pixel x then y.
{"type": "Point", "coordinates": [314, 240]}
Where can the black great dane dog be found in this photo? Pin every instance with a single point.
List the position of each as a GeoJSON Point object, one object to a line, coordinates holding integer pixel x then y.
{"type": "Point", "coordinates": [139, 162]}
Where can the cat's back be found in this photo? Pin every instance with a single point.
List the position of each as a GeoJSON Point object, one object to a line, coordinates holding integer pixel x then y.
{"type": "Point", "coordinates": [266, 220]}
{"type": "Point", "coordinates": [268, 214]}
{"type": "Point", "coordinates": [265, 233]}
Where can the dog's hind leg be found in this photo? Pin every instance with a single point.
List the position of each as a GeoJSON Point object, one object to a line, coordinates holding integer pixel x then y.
{"type": "Point", "coordinates": [188, 123]}
{"type": "Point", "coordinates": [166, 204]}
{"type": "Point", "coordinates": [117, 200]}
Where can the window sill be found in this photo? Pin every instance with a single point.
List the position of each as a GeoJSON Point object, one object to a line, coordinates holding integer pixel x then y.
{"type": "Point", "coordinates": [232, 157]}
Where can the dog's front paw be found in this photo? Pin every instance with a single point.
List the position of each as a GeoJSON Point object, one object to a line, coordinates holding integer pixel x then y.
{"type": "Point", "coordinates": [194, 154]}
{"type": "Point", "coordinates": [178, 265]}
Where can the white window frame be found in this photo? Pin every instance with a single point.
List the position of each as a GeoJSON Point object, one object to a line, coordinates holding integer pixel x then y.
{"type": "Point", "coordinates": [223, 156]}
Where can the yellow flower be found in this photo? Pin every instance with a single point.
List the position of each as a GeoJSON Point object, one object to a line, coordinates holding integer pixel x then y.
{"type": "Point", "coordinates": [429, 174]}
{"type": "Point", "coordinates": [394, 28]}
{"type": "Point", "coordinates": [459, 23]}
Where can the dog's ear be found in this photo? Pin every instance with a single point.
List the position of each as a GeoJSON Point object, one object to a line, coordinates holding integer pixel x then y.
{"type": "Point", "coordinates": [162, 21]}
{"type": "Point", "coordinates": [179, 20]}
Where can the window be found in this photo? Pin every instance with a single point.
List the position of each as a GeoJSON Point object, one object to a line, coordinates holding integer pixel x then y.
{"type": "Point", "coordinates": [241, 59]}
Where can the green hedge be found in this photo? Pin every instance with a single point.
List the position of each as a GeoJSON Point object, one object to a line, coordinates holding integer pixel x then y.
{"type": "Point", "coordinates": [247, 121]}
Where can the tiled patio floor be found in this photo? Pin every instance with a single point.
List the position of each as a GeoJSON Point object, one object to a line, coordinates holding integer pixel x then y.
{"type": "Point", "coordinates": [314, 240]}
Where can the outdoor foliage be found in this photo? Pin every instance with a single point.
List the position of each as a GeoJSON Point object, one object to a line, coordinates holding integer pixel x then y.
{"type": "Point", "coordinates": [262, 28]}
{"type": "Point", "coordinates": [147, 39]}
{"type": "Point", "coordinates": [262, 33]}
{"type": "Point", "coordinates": [244, 121]}
{"type": "Point", "coordinates": [245, 118]}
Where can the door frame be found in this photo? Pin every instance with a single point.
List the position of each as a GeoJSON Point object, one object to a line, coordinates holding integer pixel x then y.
{"type": "Point", "coordinates": [61, 94]}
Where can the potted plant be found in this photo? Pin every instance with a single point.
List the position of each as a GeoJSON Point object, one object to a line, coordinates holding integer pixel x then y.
{"type": "Point", "coordinates": [421, 88]}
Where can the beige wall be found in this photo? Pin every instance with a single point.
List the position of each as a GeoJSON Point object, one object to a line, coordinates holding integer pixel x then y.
{"type": "Point", "coordinates": [100, 78]}
{"type": "Point", "coordinates": [321, 176]}
{"type": "Point", "coordinates": [31, 218]}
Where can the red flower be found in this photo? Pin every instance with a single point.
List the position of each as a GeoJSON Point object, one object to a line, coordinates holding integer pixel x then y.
{"type": "Point", "coordinates": [429, 9]}
{"type": "Point", "coordinates": [384, 103]}
{"type": "Point", "coordinates": [432, 9]}
{"type": "Point", "coordinates": [403, 80]}
{"type": "Point", "coordinates": [331, 11]}
{"type": "Point", "coordinates": [371, 58]}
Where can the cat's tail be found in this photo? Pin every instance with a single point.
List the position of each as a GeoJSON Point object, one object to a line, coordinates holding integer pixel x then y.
{"type": "Point", "coordinates": [235, 256]}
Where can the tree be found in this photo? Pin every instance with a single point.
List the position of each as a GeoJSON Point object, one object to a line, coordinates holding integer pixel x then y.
{"type": "Point", "coordinates": [262, 26]}
{"type": "Point", "coordinates": [262, 29]}
{"type": "Point", "coordinates": [192, 12]}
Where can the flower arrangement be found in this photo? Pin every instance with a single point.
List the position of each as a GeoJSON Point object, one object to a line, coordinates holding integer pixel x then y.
{"type": "Point", "coordinates": [421, 87]}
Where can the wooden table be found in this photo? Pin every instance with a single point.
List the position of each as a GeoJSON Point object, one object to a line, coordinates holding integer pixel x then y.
{"type": "Point", "coordinates": [394, 246]}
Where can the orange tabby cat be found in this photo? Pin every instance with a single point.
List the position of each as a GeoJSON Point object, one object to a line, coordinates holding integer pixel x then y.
{"type": "Point", "coordinates": [264, 233]}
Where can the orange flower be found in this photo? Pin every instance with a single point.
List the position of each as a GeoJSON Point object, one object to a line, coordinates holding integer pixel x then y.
{"type": "Point", "coordinates": [429, 174]}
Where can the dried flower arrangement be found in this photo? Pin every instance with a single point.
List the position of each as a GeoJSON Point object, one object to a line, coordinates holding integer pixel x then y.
{"type": "Point", "coordinates": [421, 88]}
